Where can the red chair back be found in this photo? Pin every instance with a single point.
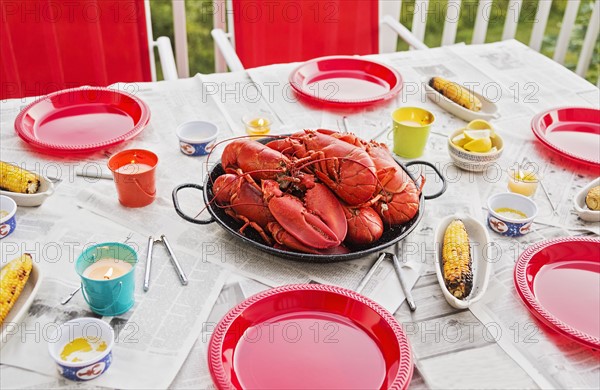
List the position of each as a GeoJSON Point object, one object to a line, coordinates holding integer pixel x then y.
{"type": "Point", "coordinates": [49, 45]}
{"type": "Point", "coordinates": [268, 32]}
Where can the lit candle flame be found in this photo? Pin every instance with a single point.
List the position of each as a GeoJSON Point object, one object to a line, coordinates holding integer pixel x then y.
{"type": "Point", "coordinates": [261, 122]}
{"type": "Point", "coordinates": [108, 273]}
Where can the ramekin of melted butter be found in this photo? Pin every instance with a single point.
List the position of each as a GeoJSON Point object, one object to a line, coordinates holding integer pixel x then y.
{"type": "Point", "coordinates": [511, 213]}
{"type": "Point", "coordinates": [83, 349]}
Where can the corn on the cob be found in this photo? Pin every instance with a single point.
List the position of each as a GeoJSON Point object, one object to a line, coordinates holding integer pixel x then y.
{"type": "Point", "coordinates": [456, 256]}
{"type": "Point", "coordinates": [15, 179]}
{"type": "Point", "coordinates": [592, 199]}
{"type": "Point", "coordinates": [456, 93]}
{"type": "Point", "coordinates": [13, 277]}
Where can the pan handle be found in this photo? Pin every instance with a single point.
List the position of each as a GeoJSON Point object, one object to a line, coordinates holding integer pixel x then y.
{"type": "Point", "coordinates": [181, 213]}
{"type": "Point", "coordinates": [437, 172]}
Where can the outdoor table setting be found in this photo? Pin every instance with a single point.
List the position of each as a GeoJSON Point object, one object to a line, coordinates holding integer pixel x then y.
{"type": "Point", "coordinates": [419, 219]}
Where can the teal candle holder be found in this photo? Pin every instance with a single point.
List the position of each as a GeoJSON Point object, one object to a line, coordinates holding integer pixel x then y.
{"type": "Point", "coordinates": [113, 296]}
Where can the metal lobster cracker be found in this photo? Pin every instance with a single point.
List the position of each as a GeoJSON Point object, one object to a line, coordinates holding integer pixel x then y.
{"type": "Point", "coordinates": [180, 273]}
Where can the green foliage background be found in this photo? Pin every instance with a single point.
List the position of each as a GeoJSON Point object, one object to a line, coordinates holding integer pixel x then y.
{"type": "Point", "coordinates": [201, 49]}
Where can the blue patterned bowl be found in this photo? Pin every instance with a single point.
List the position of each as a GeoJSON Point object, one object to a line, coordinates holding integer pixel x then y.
{"type": "Point", "coordinates": [8, 222]}
{"type": "Point", "coordinates": [92, 329]}
{"type": "Point", "coordinates": [197, 138]}
{"type": "Point", "coordinates": [511, 227]}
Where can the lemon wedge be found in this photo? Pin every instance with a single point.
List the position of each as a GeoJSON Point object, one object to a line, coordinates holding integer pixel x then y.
{"type": "Point", "coordinates": [477, 134]}
{"type": "Point", "coordinates": [479, 124]}
{"type": "Point", "coordinates": [479, 145]}
{"type": "Point", "coordinates": [460, 140]}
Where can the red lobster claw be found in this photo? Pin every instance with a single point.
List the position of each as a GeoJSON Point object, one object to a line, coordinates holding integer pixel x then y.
{"type": "Point", "coordinates": [286, 241]}
{"type": "Point", "coordinates": [321, 201]}
{"type": "Point", "coordinates": [300, 222]}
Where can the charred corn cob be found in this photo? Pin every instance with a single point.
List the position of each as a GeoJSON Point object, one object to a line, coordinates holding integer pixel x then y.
{"type": "Point", "coordinates": [592, 199]}
{"type": "Point", "coordinates": [13, 277]}
{"type": "Point", "coordinates": [456, 256]}
{"type": "Point", "coordinates": [15, 179]}
{"type": "Point", "coordinates": [456, 93]}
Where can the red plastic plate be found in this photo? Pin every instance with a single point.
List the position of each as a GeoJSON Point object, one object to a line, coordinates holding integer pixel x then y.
{"type": "Point", "coordinates": [573, 132]}
{"type": "Point", "coordinates": [345, 81]}
{"type": "Point", "coordinates": [309, 337]}
{"type": "Point", "coordinates": [559, 281]}
{"type": "Point", "coordinates": [82, 120]}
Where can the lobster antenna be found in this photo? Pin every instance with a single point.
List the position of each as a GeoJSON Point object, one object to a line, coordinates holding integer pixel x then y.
{"type": "Point", "coordinates": [213, 199]}
{"type": "Point", "coordinates": [228, 206]}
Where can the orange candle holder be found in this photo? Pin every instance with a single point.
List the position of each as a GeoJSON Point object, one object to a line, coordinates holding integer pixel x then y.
{"type": "Point", "coordinates": [134, 175]}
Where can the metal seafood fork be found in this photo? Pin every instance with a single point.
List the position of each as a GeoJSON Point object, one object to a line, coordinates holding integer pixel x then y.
{"type": "Point", "coordinates": [174, 261]}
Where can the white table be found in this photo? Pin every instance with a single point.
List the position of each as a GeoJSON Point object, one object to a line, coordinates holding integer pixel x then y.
{"type": "Point", "coordinates": [453, 349]}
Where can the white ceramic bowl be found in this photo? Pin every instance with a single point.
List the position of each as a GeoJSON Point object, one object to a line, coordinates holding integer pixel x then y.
{"type": "Point", "coordinates": [481, 259]}
{"type": "Point", "coordinates": [88, 328]}
{"type": "Point", "coordinates": [488, 109]}
{"type": "Point", "coordinates": [470, 161]}
{"type": "Point", "coordinates": [509, 226]}
{"type": "Point", "coordinates": [19, 310]}
{"type": "Point", "coordinates": [581, 208]}
{"type": "Point", "coordinates": [197, 138]}
{"type": "Point", "coordinates": [31, 200]}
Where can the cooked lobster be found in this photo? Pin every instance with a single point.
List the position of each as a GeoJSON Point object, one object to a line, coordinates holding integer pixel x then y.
{"type": "Point", "coordinates": [315, 191]}
{"type": "Point", "coordinates": [398, 200]}
{"type": "Point", "coordinates": [346, 169]}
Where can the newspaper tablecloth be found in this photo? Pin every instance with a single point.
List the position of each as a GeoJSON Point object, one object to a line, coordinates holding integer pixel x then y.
{"type": "Point", "coordinates": [495, 344]}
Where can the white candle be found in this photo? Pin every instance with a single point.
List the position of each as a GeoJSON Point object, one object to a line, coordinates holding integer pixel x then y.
{"type": "Point", "coordinates": [523, 182]}
{"type": "Point", "coordinates": [258, 126]}
{"type": "Point", "coordinates": [134, 168]}
{"type": "Point", "coordinates": [105, 269]}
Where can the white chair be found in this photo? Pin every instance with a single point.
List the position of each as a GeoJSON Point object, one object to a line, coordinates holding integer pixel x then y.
{"type": "Point", "coordinates": [165, 50]}
{"type": "Point", "coordinates": [390, 31]}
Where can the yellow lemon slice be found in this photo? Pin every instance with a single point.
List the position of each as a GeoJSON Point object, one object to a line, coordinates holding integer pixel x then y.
{"type": "Point", "coordinates": [477, 134]}
{"type": "Point", "coordinates": [479, 124]}
{"type": "Point", "coordinates": [460, 140]}
{"type": "Point", "coordinates": [479, 145]}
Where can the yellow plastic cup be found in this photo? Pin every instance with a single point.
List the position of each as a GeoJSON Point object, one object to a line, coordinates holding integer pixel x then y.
{"type": "Point", "coordinates": [411, 130]}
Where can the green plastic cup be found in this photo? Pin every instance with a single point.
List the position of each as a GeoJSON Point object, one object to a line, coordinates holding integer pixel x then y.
{"type": "Point", "coordinates": [411, 130]}
{"type": "Point", "coordinates": [108, 297]}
